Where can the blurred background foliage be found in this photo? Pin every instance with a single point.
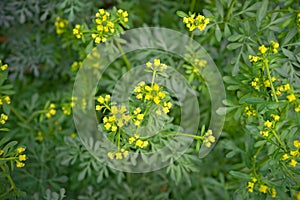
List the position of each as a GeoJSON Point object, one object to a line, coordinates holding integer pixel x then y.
{"type": "Point", "coordinates": [40, 69]}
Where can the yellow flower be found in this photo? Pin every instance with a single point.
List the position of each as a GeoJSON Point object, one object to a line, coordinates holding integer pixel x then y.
{"type": "Point", "coordinates": [264, 133]}
{"type": "Point", "coordinates": [20, 164]}
{"type": "Point", "coordinates": [149, 64]}
{"type": "Point", "coordinates": [148, 97]}
{"type": "Point", "coordinates": [4, 67]}
{"type": "Point", "coordinates": [139, 96]}
{"type": "Point", "coordinates": [208, 139]}
{"type": "Point", "coordinates": [7, 99]}
{"type": "Point", "coordinates": [274, 45]}
{"type": "Point", "coordinates": [156, 62]}
{"type": "Point", "coordinates": [125, 154]}
{"type": "Point", "coordinates": [293, 163]}
{"type": "Point", "coordinates": [156, 100]}
{"type": "Point", "coordinates": [273, 79]}
{"type": "Point", "coordinates": [73, 135]}
{"type": "Point", "coordinates": [155, 87]}
{"type": "Point", "coordinates": [285, 157]}
{"type": "Point", "coordinates": [275, 117]}
{"type": "Point", "coordinates": [20, 150]}
{"type": "Point", "coordinates": [291, 97]}
{"type": "Point", "coordinates": [114, 128]}
{"type": "Point", "coordinates": [273, 192]}
{"type": "Point", "coordinates": [107, 126]}
{"type": "Point", "coordinates": [22, 157]}
{"type": "Point", "coordinates": [101, 99]}
{"type": "Point", "coordinates": [297, 109]}
{"type": "Point", "coordinates": [161, 95]}
{"type": "Point", "coordinates": [294, 153]}
{"type": "Point", "coordinates": [267, 83]}
{"type": "Point", "coordinates": [297, 194]}
{"type": "Point", "coordinates": [192, 22]}
{"type": "Point", "coordinates": [137, 111]}
{"type": "Point", "coordinates": [140, 116]}
{"type": "Point", "coordinates": [131, 140]}
{"type": "Point", "coordinates": [137, 89]}
{"type": "Point", "coordinates": [268, 124]}
{"type": "Point", "coordinates": [166, 110]}
{"type": "Point", "coordinates": [263, 188]}
{"type": "Point", "coordinates": [253, 58]}
{"type": "Point", "coordinates": [148, 88]}
{"type": "Point", "coordinates": [139, 143]}
{"type": "Point", "coordinates": [110, 155]}
{"type": "Point", "coordinates": [297, 144]}
{"type": "Point", "coordinates": [250, 186]}
{"type": "Point", "coordinates": [262, 49]}
{"type": "Point", "coordinates": [77, 32]}
{"type": "Point", "coordinates": [119, 156]}
{"type": "Point", "coordinates": [286, 87]}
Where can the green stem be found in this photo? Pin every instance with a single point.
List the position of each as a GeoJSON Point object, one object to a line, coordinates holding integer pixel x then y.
{"type": "Point", "coordinates": [123, 55]}
{"type": "Point", "coordinates": [10, 158]}
{"type": "Point", "coordinates": [229, 11]}
{"type": "Point", "coordinates": [13, 186]}
{"type": "Point", "coordinates": [35, 113]}
{"type": "Point", "coordinates": [192, 7]}
{"type": "Point", "coordinates": [17, 114]}
{"type": "Point", "coordinates": [290, 173]}
{"type": "Point", "coordinates": [119, 139]}
{"type": "Point", "coordinates": [187, 135]}
{"type": "Point", "coordinates": [279, 140]}
{"type": "Point", "coordinates": [153, 78]}
{"type": "Point", "coordinates": [270, 79]}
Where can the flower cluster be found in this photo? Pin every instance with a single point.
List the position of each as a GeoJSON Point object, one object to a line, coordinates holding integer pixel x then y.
{"type": "Point", "coordinates": [118, 116]}
{"type": "Point", "coordinates": [60, 25]}
{"type": "Point", "coordinates": [77, 32]}
{"type": "Point", "coordinates": [262, 188]}
{"type": "Point", "coordinates": [18, 157]}
{"type": "Point", "coordinates": [3, 118]}
{"type": "Point", "coordinates": [293, 155]}
{"type": "Point", "coordinates": [76, 66]}
{"type": "Point", "coordinates": [250, 111]}
{"type": "Point", "coordinates": [263, 50]}
{"type": "Point", "coordinates": [192, 22]}
{"type": "Point", "coordinates": [135, 140]}
{"type": "Point", "coordinates": [268, 125]}
{"type": "Point", "coordinates": [154, 93]}
{"type": "Point", "coordinates": [106, 24]}
{"type": "Point", "coordinates": [118, 155]}
{"type": "Point", "coordinates": [209, 139]}
{"type": "Point", "coordinates": [3, 67]}
{"type": "Point", "coordinates": [51, 111]}
{"type": "Point", "coordinates": [256, 83]}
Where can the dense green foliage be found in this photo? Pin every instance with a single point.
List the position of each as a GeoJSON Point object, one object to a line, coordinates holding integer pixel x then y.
{"type": "Point", "coordinates": [254, 44]}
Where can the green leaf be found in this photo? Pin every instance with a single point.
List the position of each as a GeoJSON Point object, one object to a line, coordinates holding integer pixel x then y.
{"type": "Point", "coordinates": [261, 12]}
{"type": "Point", "coordinates": [240, 175]}
{"type": "Point", "coordinates": [234, 45]}
{"type": "Point", "coordinates": [218, 33]}
{"type": "Point", "coordinates": [181, 13]}
{"type": "Point", "coordinates": [251, 100]}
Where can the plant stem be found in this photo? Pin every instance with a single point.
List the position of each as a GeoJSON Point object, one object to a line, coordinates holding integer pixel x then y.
{"type": "Point", "coordinates": [270, 79]}
{"type": "Point", "coordinates": [119, 139]}
{"type": "Point", "coordinates": [187, 135]}
{"type": "Point", "coordinates": [17, 114]}
{"type": "Point", "coordinates": [123, 55]}
{"type": "Point", "coordinates": [10, 158]}
{"type": "Point", "coordinates": [153, 78]}
{"type": "Point", "coordinates": [229, 11]}
{"type": "Point", "coordinates": [192, 7]}
{"type": "Point", "coordinates": [279, 140]}
{"type": "Point", "coordinates": [13, 186]}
